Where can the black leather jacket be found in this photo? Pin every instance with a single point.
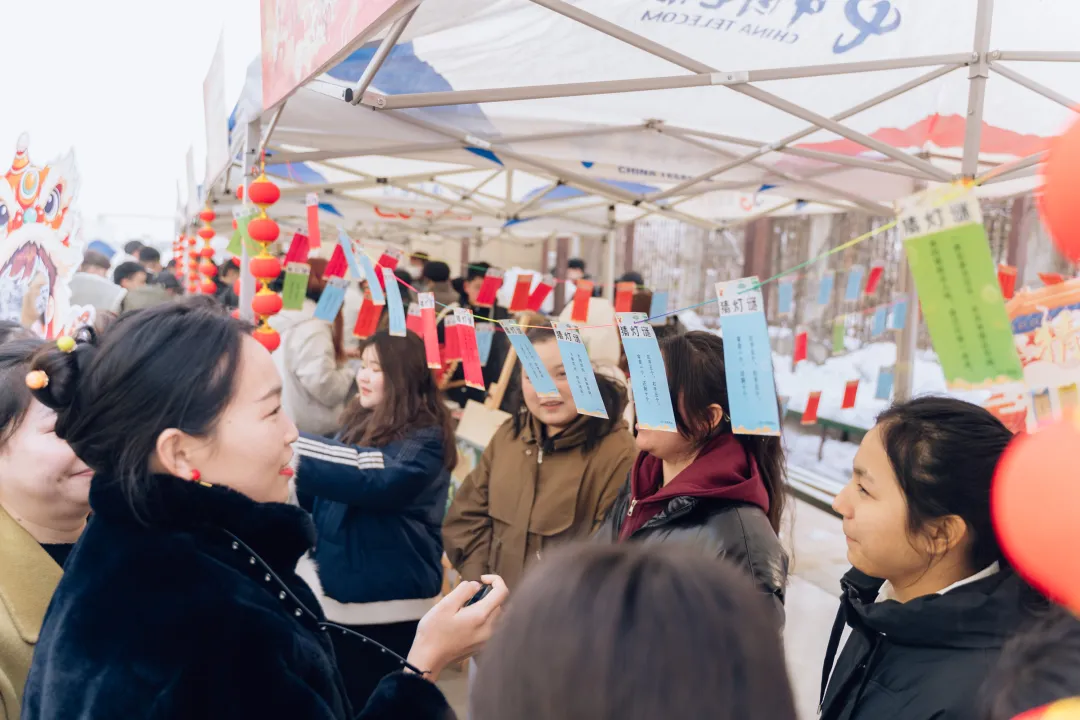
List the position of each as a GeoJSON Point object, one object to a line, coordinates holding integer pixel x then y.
{"type": "Point", "coordinates": [736, 531]}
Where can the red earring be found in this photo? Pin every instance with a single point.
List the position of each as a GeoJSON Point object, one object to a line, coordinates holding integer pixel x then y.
{"type": "Point", "coordinates": [196, 476]}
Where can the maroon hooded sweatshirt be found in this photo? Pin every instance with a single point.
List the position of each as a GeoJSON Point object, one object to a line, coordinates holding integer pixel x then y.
{"type": "Point", "coordinates": [722, 470]}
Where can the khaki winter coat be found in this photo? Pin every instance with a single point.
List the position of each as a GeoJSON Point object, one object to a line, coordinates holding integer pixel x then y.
{"type": "Point", "coordinates": [524, 497]}
{"type": "Point", "coordinates": [28, 578]}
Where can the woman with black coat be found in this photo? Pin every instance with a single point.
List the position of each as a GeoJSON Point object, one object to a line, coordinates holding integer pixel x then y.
{"type": "Point", "coordinates": [930, 601]}
{"type": "Point", "coordinates": [704, 485]}
{"type": "Point", "coordinates": [181, 599]}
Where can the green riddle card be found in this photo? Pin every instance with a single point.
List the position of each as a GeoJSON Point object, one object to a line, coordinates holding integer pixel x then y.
{"type": "Point", "coordinates": [296, 282]}
{"type": "Point", "coordinates": [838, 333]}
{"type": "Point", "coordinates": [958, 287]}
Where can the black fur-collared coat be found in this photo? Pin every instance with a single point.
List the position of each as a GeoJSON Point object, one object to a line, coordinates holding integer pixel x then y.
{"type": "Point", "coordinates": [190, 608]}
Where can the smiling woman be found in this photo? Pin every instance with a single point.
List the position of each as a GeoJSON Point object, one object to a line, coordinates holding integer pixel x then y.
{"type": "Point", "coordinates": [43, 509]}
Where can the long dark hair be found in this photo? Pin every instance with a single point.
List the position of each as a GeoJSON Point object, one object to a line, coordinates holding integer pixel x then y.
{"type": "Point", "coordinates": [653, 616]}
{"type": "Point", "coordinates": [411, 400]}
{"type": "Point", "coordinates": [169, 366]}
{"type": "Point", "coordinates": [944, 452]}
{"type": "Point", "coordinates": [15, 358]}
{"type": "Point", "coordinates": [612, 393]}
{"type": "Point", "coordinates": [697, 379]}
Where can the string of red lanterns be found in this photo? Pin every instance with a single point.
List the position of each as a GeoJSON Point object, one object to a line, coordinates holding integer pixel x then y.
{"type": "Point", "coordinates": [206, 266]}
{"type": "Point", "coordinates": [193, 266]}
{"type": "Point", "coordinates": [264, 266]}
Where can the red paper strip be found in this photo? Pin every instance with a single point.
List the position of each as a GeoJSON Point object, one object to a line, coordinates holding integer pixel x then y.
{"type": "Point", "coordinates": [539, 295]}
{"type": "Point", "coordinates": [624, 296]}
{"type": "Point", "coordinates": [582, 293]}
{"type": "Point", "coordinates": [800, 348]}
{"type": "Point", "coordinates": [367, 321]}
{"type": "Point", "coordinates": [389, 259]}
{"type": "Point", "coordinates": [809, 416]}
{"type": "Point", "coordinates": [299, 249]}
{"type": "Point", "coordinates": [1052, 278]}
{"type": "Point", "coordinates": [430, 333]}
{"type": "Point", "coordinates": [414, 322]}
{"type": "Point", "coordinates": [337, 265]}
{"type": "Point", "coordinates": [313, 221]}
{"type": "Point", "coordinates": [850, 391]}
{"type": "Point", "coordinates": [874, 278]}
{"type": "Point", "coordinates": [492, 283]}
{"type": "Point", "coordinates": [520, 301]}
{"type": "Point", "coordinates": [470, 351]}
{"type": "Point", "coordinates": [1007, 280]}
{"type": "Point", "coordinates": [452, 349]}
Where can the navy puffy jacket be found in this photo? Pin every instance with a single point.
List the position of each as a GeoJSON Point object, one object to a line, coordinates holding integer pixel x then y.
{"type": "Point", "coordinates": [378, 513]}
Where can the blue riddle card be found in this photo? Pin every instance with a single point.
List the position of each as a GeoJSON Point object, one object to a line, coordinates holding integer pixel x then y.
{"type": "Point", "coordinates": [854, 283]}
{"type": "Point", "coordinates": [579, 371]}
{"type": "Point", "coordinates": [881, 314]}
{"type": "Point", "coordinates": [331, 300]}
{"type": "Point", "coordinates": [530, 360]}
{"type": "Point", "coordinates": [884, 383]}
{"type": "Point", "coordinates": [393, 303]}
{"type": "Point", "coordinates": [786, 296]}
{"type": "Point", "coordinates": [825, 288]}
{"type": "Point", "coordinates": [748, 358]}
{"type": "Point", "coordinates": [648, 376]}
{"type": "Point", "coordinates": [899, 315]}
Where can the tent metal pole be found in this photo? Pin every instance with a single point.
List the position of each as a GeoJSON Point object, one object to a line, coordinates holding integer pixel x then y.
{"type": "Point", "coordinates": [534, 199]}
{"type": "Point", "coordinates": [764, 149]}
{"type": "Point", "coordinates": [466, 196]}
{"type": "Point", "coordinates": [1037, 55]}
{"type": "Point", "coordinates": [1032, 85]}
{"type": "Point", "coordinates": [978, 73]}
{"type": "Point", "coordinates": [381, 101]}
{"type": "Point", "coordinates": [562, 209]}
{"type": "Point", "coordinates": [247, 280]}
{"type": "Point", "coordinates": [380, 56]}
{"type": "Point", "coordinates": [271, 127]}
{"type": "Point", "coordinates": [610, 238]}
{"type": "Point", "coordinates": [1013, 170]}
{"type": "Point", "coordinates": [854, 162]}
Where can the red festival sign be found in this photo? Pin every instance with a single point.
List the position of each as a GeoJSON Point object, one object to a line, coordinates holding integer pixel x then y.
{"type": "Point", "coordinates": [303, 38]}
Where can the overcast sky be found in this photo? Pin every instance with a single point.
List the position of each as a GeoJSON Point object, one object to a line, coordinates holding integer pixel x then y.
{"type": "Point", "coordinates": [120, 82]}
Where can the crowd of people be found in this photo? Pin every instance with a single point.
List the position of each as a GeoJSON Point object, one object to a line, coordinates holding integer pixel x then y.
{"type": "Point", "coordinates": [191, 527]}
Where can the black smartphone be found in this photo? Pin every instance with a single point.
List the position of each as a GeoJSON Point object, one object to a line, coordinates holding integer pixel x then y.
{"type": "Point", "coordinates": [479, 595]}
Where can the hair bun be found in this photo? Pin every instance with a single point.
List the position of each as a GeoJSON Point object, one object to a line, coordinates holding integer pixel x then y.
{"type": "Point", "coordinates": [62, 368]}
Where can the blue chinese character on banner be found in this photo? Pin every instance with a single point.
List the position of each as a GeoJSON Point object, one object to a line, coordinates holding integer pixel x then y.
{"type": "Point", "coordinates": [883, 11]}
{"type": "Point", "coordinates": [806, 7]}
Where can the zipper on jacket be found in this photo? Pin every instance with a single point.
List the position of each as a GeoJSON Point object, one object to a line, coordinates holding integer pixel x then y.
{"type": "Point", "coordinates": [540, 456]}
{"type": "Point", "coordinates": [633, 502]}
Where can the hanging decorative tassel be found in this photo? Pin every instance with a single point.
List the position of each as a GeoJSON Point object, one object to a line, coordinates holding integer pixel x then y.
{"type": "Point", "coordinates": [264, 266]}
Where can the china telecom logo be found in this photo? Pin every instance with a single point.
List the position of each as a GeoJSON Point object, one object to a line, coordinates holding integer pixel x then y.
{"type": "Point", "coordinates": [865, 18]}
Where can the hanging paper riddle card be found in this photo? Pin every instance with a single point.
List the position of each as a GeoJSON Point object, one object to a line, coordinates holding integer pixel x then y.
{"type": "Point", "coordinates": [658, 307]}
{"type": "Point", "coordinates": [530, 360]}
{"type": "Point", "coordinates": [331, 300]}
{"type": "Point", "coordinates": [825, 288]}
{"type": "Point", "coordinates": [874, 278]}
{"type": "Point", "coordinates": [899, 315]}
{"type": "Point", "coordinates": [809, 416]}
{"type": "Point", "coordinates": [296, 282]}
{"type": "Point", "coordinates": [394, 304]}
{"type": "Point", "coordinates": [336, 266]}
{"type": "Point", "coordinates": [579, 313]}
{"type": "Point", "coordinates": [648, 376]}
{"type": "Point", "coordinates": [885, 380]}
{"type": "Point", "coordinates": [313, 221]}
{"type": "Point", "coordinates": [346, 244]}
{"type": "Point", "coordinates": [452, 349]}
{"type": "Point", "coordinates": [851, 391]}
{"type": "Point", "coordinates": [520, 299]}
{"type": "Point", "coordinates": [485, 338]}
{"type": "Point", "coordinates": [839, 333]}
{"type": "Point", "coordinates": [747, 358]}
{"type": "Point", "coordinates": [854, 283]}
{"type": "Point", "coordinates": [799, 351]}
{"type": "Point", "coordinates": [958, 287]}
{"type": "Point", "coordinates": [470, 354]}
{"type": "Point", "coordinates": [881, 314]}
{"type": "Point", "coordinates": [414, 321]}
{"type": "Point", "coordinates": [624, 296]}
{"type": "Point", "coordinates": [492, 283]}
{"type": "Point", "coordinates": [431, 333]}
{"type": "Point", "coordinates": [367, 321]}
{"type": "Point", "coordinates": [375, 283]}
{"type": "Point", "coordinates": [785, 292]}
{"type": "Point", "coordinates": [579, 371]}
{"type": "Point", "coordinates": [539, 295]}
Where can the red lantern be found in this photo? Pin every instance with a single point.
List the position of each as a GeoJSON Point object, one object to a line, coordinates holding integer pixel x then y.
{"type": "Point", "coordinates": [191, 240]}
{"type": "Point", "coordinates": [235, 225]}
{"type": "Point", "coordinates": [1057, 204]}
{"type": "Point", "coordinates": [236, 287]}
{"type": "Point", "coordinates": [206, 232]}
{"type": "Point", "coordinates": [207, 216]}
{"type": "Point", "coordinates": [193, 255]}
{"type": "Point", "coordinates": [265, 267]}
{"type": "Point", "coordinates": [266, 302]}
{"type": "Point", "coordinates": [267, 337]}
{"type": "Point", "coordinates": [236, 313]}
{"type": "Point", "coordinates": [193, 289]}
{"type": "Point", "coordinates": [262, 192]}
{"type": "Point", "coordinates": [207, 252]}
{"type": "Point", "coordinates": [263, 230]}
{"type": "Point", "coordinates": [239, 192]}
{"type": "Point", "coordinates": [209, 287]}
{"type": "Point", "coordinates": [208, 268]}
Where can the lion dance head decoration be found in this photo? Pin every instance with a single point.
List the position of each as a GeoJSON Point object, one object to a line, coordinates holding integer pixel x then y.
{"type": "Point", "coordinates": [39, 251]}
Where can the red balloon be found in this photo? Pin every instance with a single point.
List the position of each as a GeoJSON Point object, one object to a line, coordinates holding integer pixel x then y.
{"type": "Point", "coordinates": [267, 337]}
{"type": "Point", "coordinates": [1058, 203]}
{"type": "Point", "coordinates": [1036, 505]}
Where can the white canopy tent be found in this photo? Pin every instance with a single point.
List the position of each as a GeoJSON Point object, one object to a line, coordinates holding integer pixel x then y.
{"type": "Point", "coordinates": [526, 117]}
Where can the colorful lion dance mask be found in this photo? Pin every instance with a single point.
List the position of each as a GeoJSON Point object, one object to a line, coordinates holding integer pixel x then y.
{"type": "Point", "coordinates": [39, 251]}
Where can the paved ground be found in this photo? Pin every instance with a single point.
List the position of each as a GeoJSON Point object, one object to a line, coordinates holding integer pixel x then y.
{"type": "Point", "coordinates": [819, 552]}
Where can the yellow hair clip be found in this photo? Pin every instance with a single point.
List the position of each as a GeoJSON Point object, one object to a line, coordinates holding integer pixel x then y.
{"type": "Point", "coordinates": [66, 343]}
{"type": "Point", "coordinates": [37, 379]}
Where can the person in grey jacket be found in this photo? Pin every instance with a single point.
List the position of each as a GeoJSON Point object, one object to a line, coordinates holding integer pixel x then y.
{"type": "Point", "coordinates": [311, 361]}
